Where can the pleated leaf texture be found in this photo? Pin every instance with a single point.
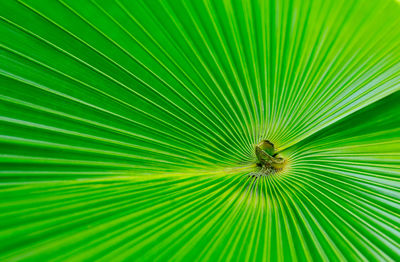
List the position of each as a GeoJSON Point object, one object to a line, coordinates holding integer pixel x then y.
{"type": "Point", "coordinates": [128, 130]}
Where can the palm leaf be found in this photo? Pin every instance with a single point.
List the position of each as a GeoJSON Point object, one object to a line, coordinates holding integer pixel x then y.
{"type": "Point", "coordinates": [128, 130]}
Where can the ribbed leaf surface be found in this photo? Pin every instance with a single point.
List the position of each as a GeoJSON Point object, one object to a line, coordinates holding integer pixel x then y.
{"type": "Point", "coordinates": [128, 128]}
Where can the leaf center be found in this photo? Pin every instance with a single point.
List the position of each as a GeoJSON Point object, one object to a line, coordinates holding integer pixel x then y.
{"type": "Point", "coordinates": [268, 159]}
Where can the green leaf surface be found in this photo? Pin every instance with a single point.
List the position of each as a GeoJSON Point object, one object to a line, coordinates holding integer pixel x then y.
{"type": "Point", "coordinates": [128, 130]}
